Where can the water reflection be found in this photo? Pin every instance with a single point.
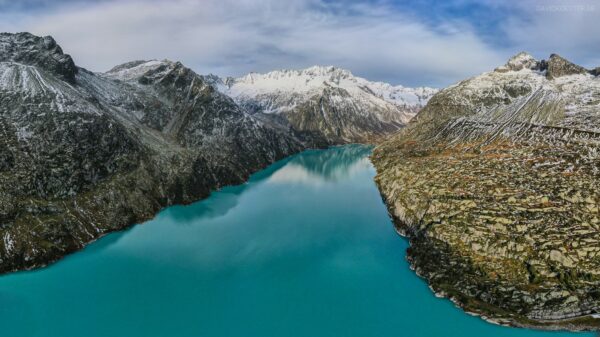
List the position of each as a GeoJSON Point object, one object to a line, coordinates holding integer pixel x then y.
{"type": "Point", "coordinates": [313, 167]}
{"type": "Point", "coordinates": [219, 202]}
{"type": "Point", "coordinates": [319, 167]}
{"type": "Point", "coordinates": [255, 222]}
{"type": "Point", "coordinates": [304, 249]}
{"type": "Point", "coordinates": [335, 163]}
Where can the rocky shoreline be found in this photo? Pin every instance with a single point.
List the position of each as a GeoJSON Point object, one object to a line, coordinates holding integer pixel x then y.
{"type": "Point", "coordinates": [495, 182]}
{"type": "Point", "coordinates": [550, 325]}
{"type": "Point", "coordinates": [132, 220]}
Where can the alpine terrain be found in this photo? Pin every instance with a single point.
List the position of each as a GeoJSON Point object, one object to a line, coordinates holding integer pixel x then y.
{"type": "Point", "coordinates": [328, 105]}
{"type": "Point", "coordinates": [83, 154]}
{"type": "Point", "coordinates": [496, 183]}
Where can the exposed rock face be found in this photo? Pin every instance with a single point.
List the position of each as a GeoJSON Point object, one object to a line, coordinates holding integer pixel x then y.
{"type": "Point", "coordinates": [83, 154]}
{"type": "Point", "coordinates": [496, 183]}
{"type": "Point", "coordinates": [558, 66]}
{"type": "Point", "coordinates": [328, 105]}
{"type": "Point", "coordinates": [42, 52]}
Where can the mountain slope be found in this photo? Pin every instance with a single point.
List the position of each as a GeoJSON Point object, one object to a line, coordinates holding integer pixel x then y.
{"type": "Point", "coordinates": [495, 182]}
{"type": "Point", "coordinates": [327, 103]}
{"type": "Point", "coordinates": [83, 154]}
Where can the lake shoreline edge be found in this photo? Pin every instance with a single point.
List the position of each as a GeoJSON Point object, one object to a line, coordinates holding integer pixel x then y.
{"type": "Point", "coordinates": [140, 219]}
{"type": "Point", "coordinates": [519, 322]}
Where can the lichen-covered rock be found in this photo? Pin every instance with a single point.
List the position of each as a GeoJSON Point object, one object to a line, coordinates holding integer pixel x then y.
{"type": "Point", "coordinates": [496, 184]}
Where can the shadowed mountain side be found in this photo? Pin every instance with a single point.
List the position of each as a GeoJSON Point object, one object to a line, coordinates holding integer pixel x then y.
{"type": "Point", "coordinates": [85, 154]}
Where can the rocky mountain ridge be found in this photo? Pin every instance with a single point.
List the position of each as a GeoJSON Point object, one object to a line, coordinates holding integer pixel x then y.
{"type": "Point", "coordinates": [40, 52]}
{"type": "Point", "coordinates": [495, 182]}
{"type": "Point", "coordinates": [84, 154]}
{"type": "Point", "coordinates": [328, 102]}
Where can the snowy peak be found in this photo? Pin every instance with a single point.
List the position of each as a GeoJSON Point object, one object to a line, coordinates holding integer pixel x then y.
{"type": "Point", "coordinates": [126, 66]}
{"type": "Point", "coordinates": [164, 73]}
{"type": "Point", "coordinates": [326, 71]}
{"type": "Point", "coordinates": [555, 66]}
{"type": "Point", "coordinates": [327, 101]}
{"type": "Point", "coordinates": [298, 81]}
{"type": "Point", "coordinates": [313, 80]}
{"type": "Point", "coordinates": [521, 93]}
{"type": "Point", "coordinates": [219, 84]}
{"type": "Point", "coordinates": [316, 74]}
{"type": "Point", "coordinates": [522, 60]}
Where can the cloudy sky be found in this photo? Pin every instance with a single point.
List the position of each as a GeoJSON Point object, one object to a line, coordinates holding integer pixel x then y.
{"type": "Point", "coordinates": [421, 42]}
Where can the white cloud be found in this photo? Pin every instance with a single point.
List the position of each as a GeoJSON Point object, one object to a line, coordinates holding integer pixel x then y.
{"type": "Point", "coordinates": [235, 37]}
{"type": "Point", "coordinates": [569, 28]}
{"type": "Point", "coordinates": [374, 40]}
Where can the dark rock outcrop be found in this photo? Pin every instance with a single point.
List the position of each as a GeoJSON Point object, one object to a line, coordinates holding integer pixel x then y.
{"type": "Point", "coordinates": [41, 52]}
{"type": "Point", "coordinates": [557, 66]}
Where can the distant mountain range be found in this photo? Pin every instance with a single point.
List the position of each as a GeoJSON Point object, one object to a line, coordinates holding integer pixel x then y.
{"type": "Point", "coordinates": [83, 154]}
{"type": "Point", "coordinates": [328, 103]}
{"type": "Point", "coordinates": [497, 184]}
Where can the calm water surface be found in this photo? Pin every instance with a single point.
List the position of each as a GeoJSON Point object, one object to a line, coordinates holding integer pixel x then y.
{"type": "Point", "coordinates": [305, 248]}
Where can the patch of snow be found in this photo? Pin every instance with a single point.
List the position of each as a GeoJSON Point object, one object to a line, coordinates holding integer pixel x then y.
{"type": "Point", "coordinates": [9, 243]}
{"type": "Point", "coordinates": [132, 73]}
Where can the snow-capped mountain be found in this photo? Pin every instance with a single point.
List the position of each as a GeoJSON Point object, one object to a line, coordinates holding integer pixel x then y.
{"type": "Point", "coordinates": [83, 154]}
{"type": "Point", "coordinates": [312, 80]}
{"type": "Point", "coordinates": [497, 183]}
{"type": "Point", "coordinates": [514, 97]}
{"type": "Point", "coordinates": [328, 101]}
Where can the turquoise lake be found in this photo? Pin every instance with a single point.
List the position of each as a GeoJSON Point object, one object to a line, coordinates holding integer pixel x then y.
{"type": "Point", "coordinates": [305, 248]}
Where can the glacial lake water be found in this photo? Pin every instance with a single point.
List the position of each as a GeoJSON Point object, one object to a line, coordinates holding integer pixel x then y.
{"type": "Point", "coordinates": [305, 248]}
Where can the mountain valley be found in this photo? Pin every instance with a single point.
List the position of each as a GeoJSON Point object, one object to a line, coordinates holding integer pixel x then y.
{"type": "Point", "coordinates": [83, 154]}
